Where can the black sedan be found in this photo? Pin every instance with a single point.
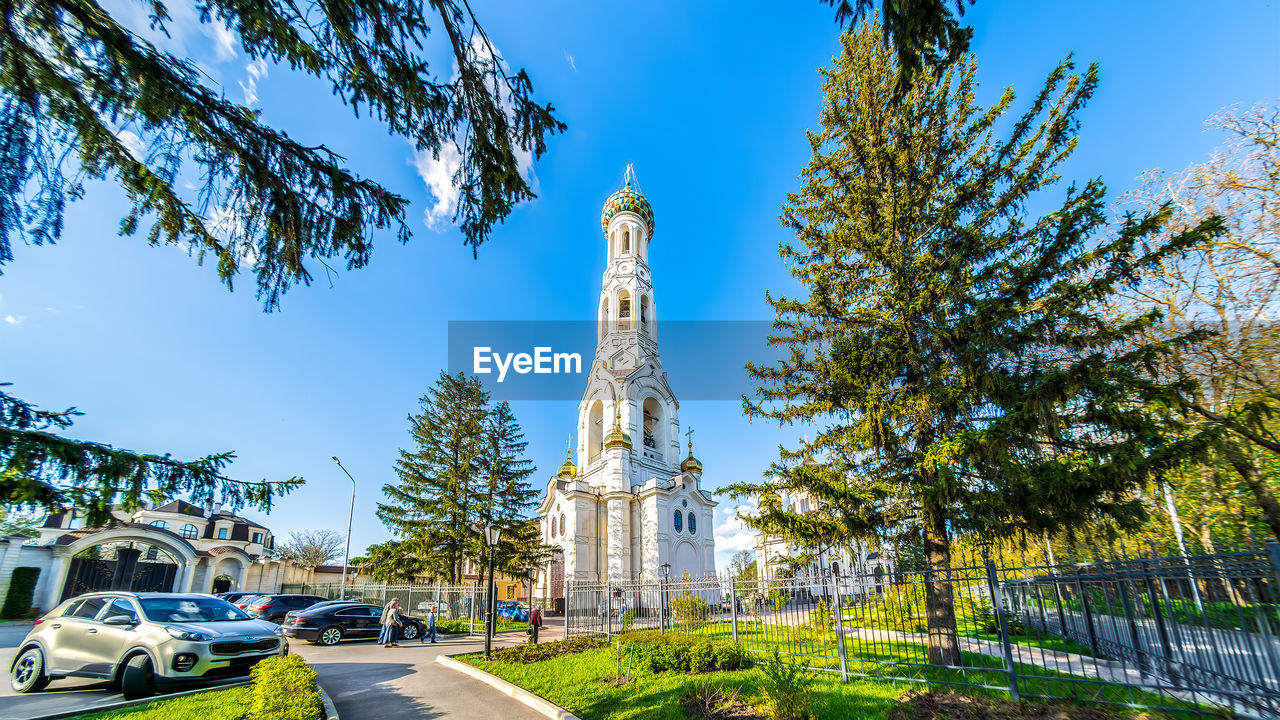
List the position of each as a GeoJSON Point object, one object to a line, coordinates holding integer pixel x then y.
{"type": "Point", "coordinates": [330, 624]}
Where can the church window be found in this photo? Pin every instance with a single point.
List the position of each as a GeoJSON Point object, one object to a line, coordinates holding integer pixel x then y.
{"type": "Point", "coordinates": [653, 426]}
{"type": "Point", "coordinates": [160, 524]}
{"type": "Point", "coordinates": [624, 310]}
{"type": "Point", "coordinates": [189, 531]}
{"type": "Point", "coordinates": [693, 525]}
{"type": "Point", "coordinates": [553, 527]}
{"type": "Point", "coordinates": [679, 520]}
{"type": "Point", "coordinates": [644, 314]}
{"type": "Point", "coordinates": [804, 506]}
{"type": "Point", "coordinates": [626, 240]}
{"type": "Point", "coordinates": [595, 432]}
{"type": "Point", "coordinates": [562, 523]}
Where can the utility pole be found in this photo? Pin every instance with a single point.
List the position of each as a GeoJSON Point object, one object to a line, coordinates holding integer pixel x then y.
{"type": "Point", "coordinates": [346, 554]}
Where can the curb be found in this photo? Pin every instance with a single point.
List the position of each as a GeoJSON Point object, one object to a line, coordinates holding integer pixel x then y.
{"type": "Point", "coordinates": [541, 705]}
{"type": "Point", "coordinates": [330, 710]}
{"type": "Point", "coordinates": [111, 707]}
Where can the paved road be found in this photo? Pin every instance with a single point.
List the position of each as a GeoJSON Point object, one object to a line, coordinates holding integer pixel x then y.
{"type": "Point", "coordinates": [365, 680]}
{"type": "Point", "coordinates": [370, 682]}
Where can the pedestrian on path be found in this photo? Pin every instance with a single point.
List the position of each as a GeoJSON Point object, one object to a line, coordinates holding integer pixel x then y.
{"type": "Point", "coordinates": [535, 622]}
{"type": "Point", "coordinates": [431, 626]}
{"type": "Point", "coordinates": [390, 624]}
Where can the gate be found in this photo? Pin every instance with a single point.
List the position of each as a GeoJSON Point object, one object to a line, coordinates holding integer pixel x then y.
{"type": "Point", "coordinates": [126, 572]}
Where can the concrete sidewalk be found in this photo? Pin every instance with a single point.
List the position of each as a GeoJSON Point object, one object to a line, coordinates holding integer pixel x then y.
{"type": "Point", "coordinates": [370, 682]}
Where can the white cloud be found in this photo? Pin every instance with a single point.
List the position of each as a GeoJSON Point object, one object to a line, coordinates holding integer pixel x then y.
{"type": "Point", "coordinates": [14, 320]}
{"type": "Point", "coordinates": [133, 144]}
{"type": "Point", "coordinates": [569, 57]}
{"type": "Point", "coordinates": [224, 41]}
{"type": "Point", "coordinates": [437, 171]}
{"type": "Point", "coordinates": [732, 533]}
{"type": "Point", "coordinates": [256, 71]}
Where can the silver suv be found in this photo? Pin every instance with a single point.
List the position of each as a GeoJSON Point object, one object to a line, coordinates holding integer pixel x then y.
{"type": "Point", "coordinates": [138, 640]}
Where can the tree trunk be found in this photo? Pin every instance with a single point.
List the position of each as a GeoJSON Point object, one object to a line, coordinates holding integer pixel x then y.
{"type": "Point", "coordinates": [944, 648]}
{"type": "Point", "coordinates": [1243, 464]}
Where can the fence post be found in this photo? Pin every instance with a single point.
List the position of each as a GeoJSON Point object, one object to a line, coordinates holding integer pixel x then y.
{"type": "Point", "coordinates": [1130, 613]}
{"type": "Point", "coordinates": [733, 605]}
{"type": "Point", "coordinates": [835, 596]}
{"type": "Point", "coordinates": [997, 605]}
{"type": "Point", "coordinates": [1088, 613]}
{"type": "Point", "coordinates": [1162, 632]}
{"type": "Point", "coordinates": [471, 617]}
{"type": "Point", "coordinates": [608, 611]}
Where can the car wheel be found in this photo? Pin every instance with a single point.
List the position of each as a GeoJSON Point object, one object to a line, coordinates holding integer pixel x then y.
{"type": "Point", "coordinates": [138, 679]}
{"type": "Point", "coordinates": [331, 635]}
{"type": "Point", "coordinates": [28, 673]}
{"type": "Point", "coordinates": [410, 631]}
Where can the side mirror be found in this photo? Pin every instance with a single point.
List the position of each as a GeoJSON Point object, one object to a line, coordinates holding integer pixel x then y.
{"type": "Point", "coordinates": [120, 620]}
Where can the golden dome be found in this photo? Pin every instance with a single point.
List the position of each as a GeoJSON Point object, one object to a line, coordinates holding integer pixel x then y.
{"type": "Point", "coordinates": [568, 470]}
{"type": "Point", "coordinates": [691, 463]}
{"type": "Point", "coordinates": [616, 437]}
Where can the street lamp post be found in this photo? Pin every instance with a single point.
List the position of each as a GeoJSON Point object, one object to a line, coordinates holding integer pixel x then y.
{"type": "Point", "coordinates": [492, 533]}
{"type": "Point", "coordinates": [662, 591]}
{"type": "Point", "coordinates": [346, 554]}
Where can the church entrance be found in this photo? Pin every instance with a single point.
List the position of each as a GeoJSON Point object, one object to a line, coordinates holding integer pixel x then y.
{"type": "Point", "coordinates": [131, 566]}
{"type": "Point", "coordinates": [222, 584]}
{"type": "Point", "coordinates": [557, 582]}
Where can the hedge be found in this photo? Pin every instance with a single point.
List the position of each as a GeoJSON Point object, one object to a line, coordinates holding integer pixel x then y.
{"type": "Point", "coordinates": [22, 589]}
{"type": "Point", "coordinates": [685, 653]}
{"type": "Point", "coordinates": [533, 653]}
{"type": "Point", "coordinates": [284, 688]}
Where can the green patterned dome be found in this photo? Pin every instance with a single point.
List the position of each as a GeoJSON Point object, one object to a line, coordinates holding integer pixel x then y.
{"type": "Point", "coordinates": [626, 200]}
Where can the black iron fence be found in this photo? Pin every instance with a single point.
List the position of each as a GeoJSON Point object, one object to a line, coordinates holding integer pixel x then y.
{"type": "Point", "coordinates": [1196, 634]}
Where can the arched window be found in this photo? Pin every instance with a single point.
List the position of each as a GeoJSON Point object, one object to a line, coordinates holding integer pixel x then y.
{"type": "Point", "coordinates": [626, 240]}
{"type": "Point", "coordinates": [553, 527]}
{"type": "Point", "coordinates": [160, 524]}
{"type": "Point", "coordinates": [189, 531]}
{"type": "Point", "coordinates": [624, 310]}
{"type": "Point", "coordinates": [644, 315]}
{"type": "Point", "coordinates": [679, 520]}
{"type": "Point", "coordinates": [693, 525]}
{"type": "Point", "coordinates": [595, 432]}
{"type": "Point", "coordinates": [604, 316]}
{"type": "Point", "coordinates": [562, 523]}
{"type": "Point", "coordinates": [653, 427]}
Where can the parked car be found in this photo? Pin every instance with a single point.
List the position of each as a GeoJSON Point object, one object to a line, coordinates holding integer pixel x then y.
{"type": "Point", "coordinates": [234, 597]}
{"type": "Point", "coordinates": [141, 640]}
{"type": "Point", "coordinates": [512, 610]}
{"type": "Point", "coordinates": [332, 623]}
{"type": "Point", "coordinates": [291, 613]}
{"type": "Point", "coordinates": [243, 602]}
{"type": "Point", "coordinates": [274, 607]}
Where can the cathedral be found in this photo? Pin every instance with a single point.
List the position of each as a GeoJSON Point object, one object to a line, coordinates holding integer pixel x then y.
{"type": "Point", "coordinates": [633, 501]}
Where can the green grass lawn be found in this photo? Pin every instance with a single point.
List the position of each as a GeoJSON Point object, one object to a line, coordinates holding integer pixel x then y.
{"type": "Point", "coordinates": [229, 704]}
{"type": "Point", "coordinates": [574, 682]}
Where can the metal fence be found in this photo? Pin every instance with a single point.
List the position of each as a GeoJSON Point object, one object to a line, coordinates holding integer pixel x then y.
{"type": "Point", "coordinates": [467, 603]}
{"type": "Point", "coordinates": [1194, 634]}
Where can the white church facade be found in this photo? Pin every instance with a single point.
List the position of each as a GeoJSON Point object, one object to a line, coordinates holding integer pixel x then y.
{"type": "Point", "coordinates": [633, 501]}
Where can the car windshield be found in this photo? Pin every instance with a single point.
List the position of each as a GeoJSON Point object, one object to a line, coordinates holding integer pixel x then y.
{"type": "Point", "coordinates": [190, 609]}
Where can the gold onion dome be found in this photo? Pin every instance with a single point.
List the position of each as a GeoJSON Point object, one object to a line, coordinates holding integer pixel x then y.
{"type": "Point", "coordinates": [616, 437]}
{"type": "Point", "coordinates": [627, 200]}
{"type": "Point", "coordinates": [568, 470]}
{"type": "Point", "coordinates": [691, 463]}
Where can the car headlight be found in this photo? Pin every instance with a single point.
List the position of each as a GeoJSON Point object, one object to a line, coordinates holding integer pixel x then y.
{"type": "Point", "coordinates": [279, 630]}
{"type": "Point", "coordinates": [185, 635]}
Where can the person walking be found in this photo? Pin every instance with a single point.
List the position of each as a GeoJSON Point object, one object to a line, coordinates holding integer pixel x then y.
{"type": "Point", "coordinates": [431, 626]}
{"type": "Point", "coordinates": [390, 624]}
{"type": "Point", "coordinates": [535, 622]}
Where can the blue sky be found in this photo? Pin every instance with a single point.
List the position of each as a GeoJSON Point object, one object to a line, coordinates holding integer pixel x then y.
{"type": "Point", "coordinates": [709, 100]}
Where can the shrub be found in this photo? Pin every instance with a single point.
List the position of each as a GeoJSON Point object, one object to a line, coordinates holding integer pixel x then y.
{"type": "Point", "coordinates": [284, 688]}
{"type": "Point", "coordinates": [22, 588]}
{"type": "Point", "coordinates": [525, 654]}
{"type": "Point", "coordinates": [709, 701]}
{"type": "Point", "coordinates": [690, 611]}
{"type": "Point", "coordinates": [684, 653]}
{"type": "Point", "coordinates": [786, 688]}
{"type": "Point", "coordinates": [628, 619]}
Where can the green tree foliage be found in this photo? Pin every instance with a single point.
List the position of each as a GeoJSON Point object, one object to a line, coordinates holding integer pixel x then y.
{"type": "Point", "coordinates": [467, 470]}
{"type": "Point", "coordinates": [953, 349]}
{"type": "Point", "coordinates": [42, 469]}
{"type": "Point", "coordinates": [73, 79]}
{"type": "Point", "coordinates": [395, 561]}
{"type": "Point", "coordinates": [923, 33]}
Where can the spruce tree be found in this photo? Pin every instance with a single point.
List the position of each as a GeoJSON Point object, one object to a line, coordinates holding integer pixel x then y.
{"type": "Point", "coordinates": [507, 495]}
{"type": "Point", "coordinates": [949, 345]}
{"type": "Point", "coordinates": [435, 502]}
